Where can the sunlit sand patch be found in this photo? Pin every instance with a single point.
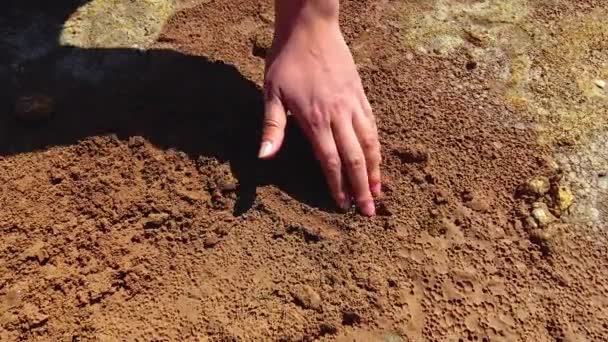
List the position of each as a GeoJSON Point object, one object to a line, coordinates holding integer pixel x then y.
{"type": "Point", "coordinates": [585, 170]}
{"type": "Point", "coordinates": [116, 23]}
{"type": "Point", "coordinates": [442, 26]}
{"type": "Point", "coordinates": [552, 73]}
{"type": "Point", "coordinates": [555, 74]}
{"type": "Point", "coordinates": [564, 79]}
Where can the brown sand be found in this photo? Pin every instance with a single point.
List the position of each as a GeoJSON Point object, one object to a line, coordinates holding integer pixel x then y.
{"type": "Point", "coordinates": [138, 210]}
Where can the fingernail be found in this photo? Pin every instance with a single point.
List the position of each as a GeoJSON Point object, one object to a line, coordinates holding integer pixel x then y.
{"type": "Point", "coordinates": [368, 209]}
{"type": "Point", "coordinates": [265, 149]}
{"type": "Point", "coordinates": [376, 189]}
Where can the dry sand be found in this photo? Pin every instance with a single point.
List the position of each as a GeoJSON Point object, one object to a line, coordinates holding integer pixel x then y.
{"type": "Point", "coordinates": [132, 206]}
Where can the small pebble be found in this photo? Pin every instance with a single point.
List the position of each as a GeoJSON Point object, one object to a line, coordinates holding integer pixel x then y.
{"type": "Point", "coordinates": [413, 154]}
{"type": "Point", "coordinates": [211, 241]}
{"type": "Point", "coordinates": [156, 220]}
{"type": "Point", "coordinates": [476, 202]}
{"type": "Point", "coordinates": [307, 297]}
{"type": "Point", "coordinates": [382, 209]}
{"type": "Point", "coordinates": [38, 251]}
{"type": "Point", "coordinates": [350, 318]}
{"type": "Point", "coordinates": [541, 214]}
{"type": "Point", "coordinates": [600, 83]}
{"type": "Point", "coordinates": [538, 186]}
{"type": "Point", "coordinates": [228, 186]}
{"type": "Point", "coordinates": [434, 213]}
{"type": "Point", "coordinates": [441, 197]}
{"type": "Point", "coordinates": [564, 198]}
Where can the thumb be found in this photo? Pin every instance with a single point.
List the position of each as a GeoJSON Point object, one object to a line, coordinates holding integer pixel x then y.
{"type": "Point", "coordinates": [275, 119]}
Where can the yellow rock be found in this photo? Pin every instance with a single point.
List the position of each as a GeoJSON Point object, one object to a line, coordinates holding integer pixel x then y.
{"type": "Point", "coordinates": [116, 23]}
{"type": "Point", "coordinates": [542, 215]}
{"type": "Point", "coordinates": [564, 198]}
{"type": "Point", "coordinates": [538, 186]}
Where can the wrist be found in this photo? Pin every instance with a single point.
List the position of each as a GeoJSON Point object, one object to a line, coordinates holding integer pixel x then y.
{"type": "Point", "coordinates": [312, 16]}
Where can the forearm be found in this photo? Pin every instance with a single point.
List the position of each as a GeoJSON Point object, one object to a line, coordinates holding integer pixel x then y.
{"type": "Point", "coordinates": [314, 14]}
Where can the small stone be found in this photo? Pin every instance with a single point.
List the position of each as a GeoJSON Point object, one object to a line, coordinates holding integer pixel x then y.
{"type": "Point", "coordinates": [545, 239]}
{"type": "Point", "coordinates": [221, 229]}
{"type": "Point", "coordinates": [391, 337]}
{"type": "Point", "coordinates": [603, 182]}
{"type": "Point", "coordinates": [551, 163]}
{"type": "Point", "coordinates": [262, 42]}
{"type": "Point", "coordinates": [34, 107]}
{"type": "Point", "coordinates": [412, 154]}
{"type": "Point", "coordinates": [382, 209]}
{"type": "Point", "coordinates": [156, 220]}
{"type": "Point", "coordinates": [279, 232]}
{"type": "Point", "coordinates": [37, 251]}
{"type": "Point", "coordinates": [564, 198]}
{"type": "Point", "coordinates": [306, 297]}
{"type": "Point", "coordinates": [479, 204]}
{"type": "Point", "coordinates": [418, 177]}
{"type": "Point", "coordinates": [191, 196]}
{"type": "Point", "coordinates": [327, 329]}
{"type": "Point", "coordinates": [441, 197]}
{"type": "Point", "coordinates": [211, 241]}
{"type": "Point", "coordinates": [538, 186]}
{"type": "Point", "coordinates": [531, 223]}
{"type": "Point", "coordinates": [82, 298]}
{"type": "Point", "coordinates": [33, 316]}
{"type": "Point", "coordinates": [350, 318]}
{"type": "Point", "coordinates": [600, 84]}
{"type": "Point", "coordinates": [267, 16]}
{"type": "Point", "coordinates": [541, 214]}
{"type": "Point", "coordinates": [228, 186]}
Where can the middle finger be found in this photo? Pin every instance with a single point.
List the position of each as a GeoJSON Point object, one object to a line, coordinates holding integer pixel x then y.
{"type": "Point", "coordinates": [353, 160]}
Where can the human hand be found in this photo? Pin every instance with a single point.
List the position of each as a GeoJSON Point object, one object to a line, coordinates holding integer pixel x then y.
{"type": "Point", "coordinates": [311, 73]}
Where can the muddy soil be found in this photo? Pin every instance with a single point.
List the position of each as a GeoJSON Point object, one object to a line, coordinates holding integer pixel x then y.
{"type": "Point", "coordinates": [133, 207]}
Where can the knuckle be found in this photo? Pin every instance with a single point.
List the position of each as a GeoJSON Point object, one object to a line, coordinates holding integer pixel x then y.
{"type": "Point", "coordinates": [355, 162]}
{"type": "Point", "coordinates": [336, 106]}
{"type": "Point", "coordinates": [333, 163]}
{"type": "Point", "coordinates": [369, 142]}
{"type": "Point", "coordinates": [317, 120]}
{"type": "Point", "coordinates": [339, 105]}
{"type": "Point", "coordinates": [272, 123]}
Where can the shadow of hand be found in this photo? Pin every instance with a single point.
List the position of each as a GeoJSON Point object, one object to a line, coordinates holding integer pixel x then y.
{"type": "Point", "coordinates": [188, 103]}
